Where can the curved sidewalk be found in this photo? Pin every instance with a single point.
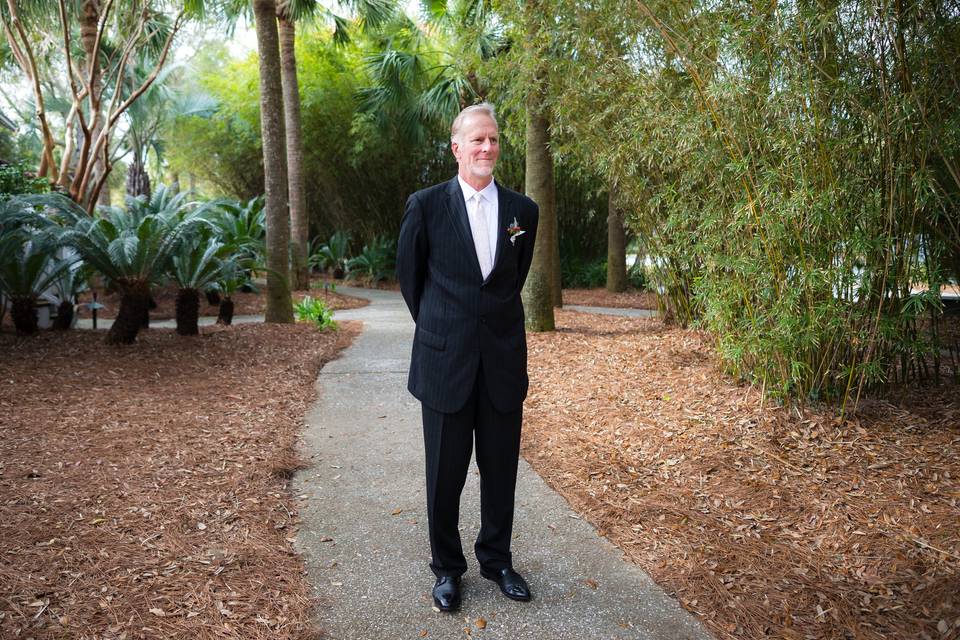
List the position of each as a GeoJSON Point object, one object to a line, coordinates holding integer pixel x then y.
{"type": "Point", "coordinates": [363, 530]}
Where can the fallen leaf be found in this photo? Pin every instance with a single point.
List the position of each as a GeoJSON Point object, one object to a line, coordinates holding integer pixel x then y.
{"type": "Point", "coordinates": [481, 623]}
{"type": "Point", "coordinates": [396, 512]}
{"type": "Point", "coordinates": [590, 582]}
{"type": "Point", "coordinates": [158, 612]}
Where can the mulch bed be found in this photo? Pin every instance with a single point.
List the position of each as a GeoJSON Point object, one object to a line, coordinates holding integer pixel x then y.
{"type": "Point", "coordinates": [245, 304]}
{"type": "Point", "coordinates": [766, 523]}
{"type": "Point", "coordinates": [144, 490]}
{"type": "Point", "coordinates": [629, 299]}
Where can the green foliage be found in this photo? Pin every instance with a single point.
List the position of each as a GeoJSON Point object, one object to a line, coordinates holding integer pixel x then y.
{"type": "Point", "coordinates": [314, 310]}
{"type": "Point", "coordinates": [29, 266]}
{"type": "Point", "coordinates": [791, 173]}
{"type": "Point", "coordinates": [578, 274]}
{"type": "Point", "coordinates": [196, 264]}
{"type": "Point", "coordinates": [375, 262]}
{"type": "Point", "coordinates": [15, 179]}
{"type": "Point", "coordinates": [637, 276]}
{"type": "Point", "coordinates": [240, 226]}
{"type": "Point", "coordinates": [333, 255]}
{"type": "Point", "coordinates": [129, 247]}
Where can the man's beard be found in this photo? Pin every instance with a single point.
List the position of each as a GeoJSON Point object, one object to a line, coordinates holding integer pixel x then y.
{"type": "Point", "coordinates": [482, 171]}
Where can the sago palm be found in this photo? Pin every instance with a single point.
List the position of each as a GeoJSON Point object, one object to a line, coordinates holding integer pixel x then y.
{"type": "Point", "coordinates": [28, 267]}
{"type": "Point", "coordinates": [194, 267]}
{"type": "Point", "coordinates": [130, 248]}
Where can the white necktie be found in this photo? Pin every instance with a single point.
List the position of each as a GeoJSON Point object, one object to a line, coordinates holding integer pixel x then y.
{"type": "Point", "coordinates": [481, 237]}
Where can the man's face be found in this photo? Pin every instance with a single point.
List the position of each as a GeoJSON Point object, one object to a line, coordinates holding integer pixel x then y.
{"type": "Point", "coordinates": [478, 146]}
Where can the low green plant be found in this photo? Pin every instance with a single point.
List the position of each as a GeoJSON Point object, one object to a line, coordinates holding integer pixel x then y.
{"type": "Point", "coordinates": [375, 262]}
{"type": "Point", "coordinates": [578, 274]}
{"type": "Point", "coordinates": [314, 310]}
{"type": "Point", "coordinates": [637, 276]}
{"type": "Point", "coordinates": [333, 255]}
{"type": "Point", "coordinates": [14, 179]}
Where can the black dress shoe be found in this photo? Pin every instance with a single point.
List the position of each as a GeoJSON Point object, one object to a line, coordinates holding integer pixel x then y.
{"type": "Point", "coordinates": [446, 593]}
{"type": "Point", "coordinates": [510, 582]}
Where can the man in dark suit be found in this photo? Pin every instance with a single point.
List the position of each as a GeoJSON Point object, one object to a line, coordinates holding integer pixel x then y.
{"type": "Point", "coordinates": [464, 252]}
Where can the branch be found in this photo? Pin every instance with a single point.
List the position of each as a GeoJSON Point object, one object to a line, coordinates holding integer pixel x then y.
{"type": "Point", "coordinates": [153, 74]}
{"type": "Point", "coordinates": [66, 48]}
{"type": "Point", "coordinates": [82, 180]}
{"type": "Point", "coordinates": [15, 47]}
{"type": "Point", "coordinates": [47, 162]}
{"type": "Point", "coordinates": [115, 112]}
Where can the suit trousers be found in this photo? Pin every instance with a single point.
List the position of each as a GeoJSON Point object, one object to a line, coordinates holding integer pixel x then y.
{"type": "Point", "coordinates": [448, 441]}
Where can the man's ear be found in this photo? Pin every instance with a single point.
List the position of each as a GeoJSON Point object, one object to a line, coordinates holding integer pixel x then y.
{"type": "Point", "coordinates": [454, 147]}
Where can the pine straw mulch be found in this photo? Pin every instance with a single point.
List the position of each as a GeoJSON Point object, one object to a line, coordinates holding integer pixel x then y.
{"type": "Point", "coordinates": [629, 299]}
{"type": "Point", "coordinates": [245, 304]}
{"type": "Point", "coordinates": [144, 489]}
{"type": "Point", "coordinates": [764, 523]}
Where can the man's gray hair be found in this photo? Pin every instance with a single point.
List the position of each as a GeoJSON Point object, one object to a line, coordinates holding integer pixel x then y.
{"type": "Point", "coordinates": [483, 107]}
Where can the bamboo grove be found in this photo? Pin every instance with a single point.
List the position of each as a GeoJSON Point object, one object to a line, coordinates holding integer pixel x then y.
{"type": "Point", "coordinates": [791, 168]}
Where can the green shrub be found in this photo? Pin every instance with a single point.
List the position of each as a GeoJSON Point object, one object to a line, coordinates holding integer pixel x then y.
{"type": "Point", "coordinates": [637, 276]}
{"type": "Point", "coordinates": [577, 274]}
{"type": "Point", "coordinates": [376, 261]}
{"type": "Point", "coordinates": [14, 180]}
{"type": "Point", "coordinates": [314, 309]}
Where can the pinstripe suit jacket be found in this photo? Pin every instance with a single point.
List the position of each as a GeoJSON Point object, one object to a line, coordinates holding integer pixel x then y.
{"type": "Point", "coordinates": [462, 319]}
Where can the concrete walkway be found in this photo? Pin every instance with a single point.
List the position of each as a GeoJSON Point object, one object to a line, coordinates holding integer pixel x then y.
{"type": "Point", "coordinates": [364, 529]}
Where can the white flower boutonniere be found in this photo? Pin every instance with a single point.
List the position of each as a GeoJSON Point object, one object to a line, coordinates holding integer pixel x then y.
{"type": "Point", "coordinates": [515, 230]}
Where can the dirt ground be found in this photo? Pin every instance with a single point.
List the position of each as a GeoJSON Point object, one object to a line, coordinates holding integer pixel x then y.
{"type": "Point", "coordinates": [245, 304]}
{"type": "Point", "coordinates": [144, 489]}
{"type": "Point", "coordinates": [765, 523]}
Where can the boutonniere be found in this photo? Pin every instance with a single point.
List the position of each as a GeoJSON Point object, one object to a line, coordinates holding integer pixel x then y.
{"type": "Point", "coordinates": [515, 230]}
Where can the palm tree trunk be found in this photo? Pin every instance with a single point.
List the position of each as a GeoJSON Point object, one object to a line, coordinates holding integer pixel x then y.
{"type": "Point", "coordinates": [187, 308]}
{"type": "Point", "coordinates": [537, 292]}
{"type": "Point", "coordinates": [279, 304]}
{"type": "Point", "coordinates": [23, 312]}
{"type": "Point", "coordinates": [138, 180]}
{"type": "Point", "coordinates": [89, 28]}
{"type": "Point", "coordinates": [64, 316]}
{"type": "Point", "coordinates": [134, 307]}
{"type": "Point", "coordinates": [225, 313]}
{"type": "Point", "coordinates": [616, 244]}
{"type": "Point", "coordinates": [299, 223]}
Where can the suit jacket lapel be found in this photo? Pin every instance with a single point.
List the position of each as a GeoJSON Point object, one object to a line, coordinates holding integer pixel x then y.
{"type": "Point", "coordinates": [457, 209]}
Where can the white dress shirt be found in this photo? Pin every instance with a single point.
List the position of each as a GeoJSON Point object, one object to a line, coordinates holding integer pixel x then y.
{"type": "Point", "coordinates": [491, 216]}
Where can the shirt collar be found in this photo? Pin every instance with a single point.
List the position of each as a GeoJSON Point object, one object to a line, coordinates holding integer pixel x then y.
{"type": "Point", "coordinates": [489, 192]}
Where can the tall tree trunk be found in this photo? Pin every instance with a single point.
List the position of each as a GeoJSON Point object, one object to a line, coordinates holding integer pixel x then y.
{"type": "Point", "coordinates": [616, 244]}
{"type": "Point", "coordinates": [279, 304]}
{"type": "Point", "coordinates": [537, 292]}
{"type": "Point", "coordinates": [556, 282]}
{"type": "Point", "coordinates": [299, 223]}
{"type": "Point", "coordinates": [89, 27]}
